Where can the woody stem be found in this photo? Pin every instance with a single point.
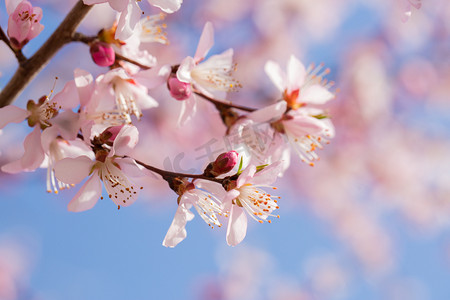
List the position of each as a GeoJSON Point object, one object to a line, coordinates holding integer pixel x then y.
{"type": "Point", "coordinates": [31, 67]}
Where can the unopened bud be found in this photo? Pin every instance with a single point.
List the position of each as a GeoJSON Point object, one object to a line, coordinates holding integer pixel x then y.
{"type": "Point", "coordinates": [179, 90]}
{"type": "Point", "coordinates": [224, 163]}
{"type": "Point", "coordinates": [102, 54]}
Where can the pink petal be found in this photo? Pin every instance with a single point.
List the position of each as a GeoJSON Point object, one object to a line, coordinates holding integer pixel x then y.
{"type": "Point", "coordinates": [68, 97]}
{"type": "Point", "coordinates": [237, 226]}
{"type": "Point", "coordinates": [130, 168]}
{"type": "Point", "coordinates": [185, 68]}
{"type": "Point", "coordinates": [87, 196]}
{"type": "Point", "coordinates": [296, 73]}
{"type": "Point", "coordinates": [168, 6]}
{"type": "Point", "coordinates": [304, 125]}
{"type": "Point", "coordinates": [11, 5]}
{"type": "Point", "coordinates": [246, 175]}
{"type": "Point", "coordinates": [268, 175]}
{"type": "Point", "coordinates": [125, 141]}
{"type": "Point", "coordinates": [118, 5]}
{"type": "Point", "coordinates": [73, 170]}
{"type": "Point", "coordinates": [188, 109]}
{"type": "Point", "coordinates": [275, 74]}
{"type": "Point", "coordinates": [268, 113]}
{"type": "Point", "coordinates": [153, 77]}
{"type": "Point", "coordinates": [85, 84]}
{"type": "Point", "coordinates": [205, 43]}
{"type": "Point", "coordinates": [127, 21]}
{"type": "Point", "coordinates": [34, 154]}
{"type": "Point", "coordinates": [91, 2]}
{"type": "Point", "coordinates": [177, 230]}
{"type": "Point", "coordinates": [214, 188]}
{"type": "Point", "coordinates": [32, 157]}
{"type": "Point", "coordinates": [68, 124]}
{"type": "Point", "coordinates": [315, 94]}
{"type": "Point", "coordinates": [12, 114]}
{"type": "Point", "coordinates": [47, 137]}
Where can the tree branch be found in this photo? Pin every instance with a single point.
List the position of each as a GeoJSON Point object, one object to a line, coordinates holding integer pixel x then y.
{"type": "Point", "coordinates": [223, 103]}
{"type": "Point", "coordinates": [31, 67]}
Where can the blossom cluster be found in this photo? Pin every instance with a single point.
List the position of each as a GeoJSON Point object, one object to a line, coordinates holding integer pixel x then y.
{"type": "Point", "coordinates": [87, 131]}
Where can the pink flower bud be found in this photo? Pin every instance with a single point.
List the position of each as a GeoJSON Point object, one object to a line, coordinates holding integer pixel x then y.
{"type": "Point", "coordinates": [179, 90]}
{"type": "Point", "coordinates": [224, 163]}
{"type": "Point", "coordinates": [23, 23]}
{"type": "Point", "coordinates": [102, 54]}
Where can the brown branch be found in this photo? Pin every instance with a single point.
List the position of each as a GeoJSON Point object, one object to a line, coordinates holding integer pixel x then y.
{"type": "Point", "coordinates": [31, 67]}
{"type": "Point", "coordinates": [219, 103]}
{"type": "Point", "coordinates": [121, 57]}
{"type": "Point", "coordinates": [168, 175]}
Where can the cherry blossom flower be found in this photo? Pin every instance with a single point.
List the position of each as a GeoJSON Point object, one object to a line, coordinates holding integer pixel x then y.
{"type": "Point", "coordinates": [41, 115]}
{"type": "Point", "coordinates": [130, 97]}
{"type": "Point", "coordinates": [300, 86]}
{"type": "Point", "coordinates": [213, 74]}
{"type": "Point", "coordinates": [109, 167]}
{"type": "Point", "coordinates": [23, 22]}
{"type": "Point", "coordinates": [245, 195]}
{"type": "Point", "coordinates": [305, 125]}
{"type": "Point", "coordinates": [203, 200]}
{"type": "Point", "coordinates": [130, 12]}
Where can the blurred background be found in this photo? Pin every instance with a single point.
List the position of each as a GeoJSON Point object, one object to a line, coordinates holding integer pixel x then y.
{"type": "Point", "coordinates": [369, 221]}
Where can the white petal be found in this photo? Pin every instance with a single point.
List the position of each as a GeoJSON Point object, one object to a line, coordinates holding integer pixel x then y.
{"type": "Point", "coordinates": [125, 141]}
{"type": "Point", "coordinates": [205, 43]}
{"type": "Point", "coordinates": [268, 175]}
{"type": "Point", "coordinates": [275, 74]}
{"type": "Point", "coordinates": [237, 226]}
{"type": "Point", "coordinates": [246, 175]}
{"type": "Point", "coordinates": [177, 230]}
{"type": "Point", "coordinates": [85, 84]}
{"type": "Point", "coordinates": [268, 113]}
{"type": "Point", "coordinates": [34, 153]}
{"type": "Point", "coordinates": [296, 73]}
{"type": "Point", "coordinates": [315, 94]}
{"type": "Point", "coordinates": [120, 190]}
{"type": "Point", "coordinates": [188, 109]}
{"type": "Point", "coordinates": [68, 97]}
{"type": "Point", "coordinates": [168, 6]}
{"type": "Point", "coordinates": [184, 70]}
{"type": "Point", "coordinates": [12, 114]}
{"type": "Point", "coordinates": [73, 170]}
{"type": "Point", "coordinates": [127, 21]}
{"type": "Point", "coordinates": [87, 196]}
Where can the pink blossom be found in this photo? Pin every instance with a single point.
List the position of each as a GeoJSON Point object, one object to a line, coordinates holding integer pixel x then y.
{"type": "Point", "coordinates": [23, 22]}
{"type": "Point", "coordinates": [245, 194]}
{"type": "Point", "coordinates": [41, 115]}
{"type": "Point", "coordinates": [130, 12]}
{"type": "Point", "coordinates": [129, 96]}
{"type": "Point", "coordinates": [208, 76]}
{"type": "Point", "coordinates": [204, 200]}
{"type": "Point", "coordinates": [109, 167]}
{"type": "Point", "coordinates": [298, 85]}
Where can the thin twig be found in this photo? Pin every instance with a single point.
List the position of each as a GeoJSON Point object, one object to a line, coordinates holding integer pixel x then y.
{"type": "Point", "coordinates": [121, 57]}
{"type": "Point", "coordinates": [31, 67]}
{"type": "Point", "coordinates": [167, 174]}
{"type": "Point", "coordinates": [224, 104]}
{"type": "Point", "coordinates": [80, 37]}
